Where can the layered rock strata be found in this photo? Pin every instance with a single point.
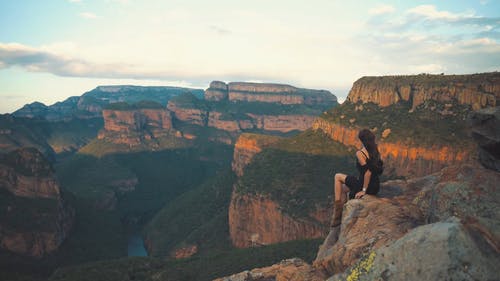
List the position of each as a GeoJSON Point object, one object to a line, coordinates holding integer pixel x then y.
{"type": "Point", "coordinates": [400, 159]}
{"type": "Point", "coordinates": [133, 126]}
{"type": "Point", "coordinates": [36, 218]}
{"type": "Point", "coordinates": [255, 220]}
{"type": "Point", "coordinates": [266, 92]}
{"type": "Point", "coordinates": [477, 90]}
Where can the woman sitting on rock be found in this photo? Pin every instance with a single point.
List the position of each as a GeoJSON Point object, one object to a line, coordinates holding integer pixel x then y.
{"type": "Point", "coordinates": [369, 166]}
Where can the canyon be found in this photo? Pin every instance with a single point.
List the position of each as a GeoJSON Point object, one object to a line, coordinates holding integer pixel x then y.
{"type": "Point", "coordinates": [37, 217]}
{"type": "Point", "coordinates": [403, 157]}
{"type": "Point", "coordinates": [227, 110]}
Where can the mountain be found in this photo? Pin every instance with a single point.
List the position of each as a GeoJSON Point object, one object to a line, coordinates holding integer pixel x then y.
{"type": "Point", "coordinates": [35, 217]}
{"type": "Point", "coordinates": [91, 103]}
{"type": "Point", "coordinates": [292, 179]}
{"type": "Point", "coordinates": [226, 111]}
{"type": "Point", "coordinates": [444, 225]}
{"type": "Point", "coordinates": [476, 90]}
{"type": "Point", "coordinates": [230, 109]}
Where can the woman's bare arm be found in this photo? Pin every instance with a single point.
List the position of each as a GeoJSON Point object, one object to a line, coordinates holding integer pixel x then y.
{"type": "Point", "coordinates": [366, 181]}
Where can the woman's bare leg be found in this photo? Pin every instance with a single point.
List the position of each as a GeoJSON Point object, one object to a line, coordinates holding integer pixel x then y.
{"type": "Point", "coordinates": [339, 188]}
{"type": "Point", "coordinates": [340, 196]}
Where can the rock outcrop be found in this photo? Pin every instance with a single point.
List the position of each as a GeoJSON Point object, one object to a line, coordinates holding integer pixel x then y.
{"type": "Point", "coordinates": [477, 90]}
{"type": "Point", "coordinates": [400, 159]}
{"type": "Point", "coordinates": [246, 147]}
{"type": "Point", "coordinates": [248, 226]}
{"type": "Point", "coordinates": [467, 192]}
{"type": "Point", "coordinates": [286, 270]}
{"type": "Point", "coordinates": [190, 115]}
{"type": "Point", "coordinates": [448, 250]}
{"type": "Point", "coordinates": [485, 126]}
{"type": "Point", "coordinates": [266, 92]}
{"type": "Point", "coordinates": [248, 107]}
{"type": "Point", "coordinates": [133, 126]}
{"type": "Point", "coordinates": [35, 217]}
{"type": "Point", "coordinates": [184, 252]}
{"type": "Point", "coordinates": [92, 103]}
{"type": "Point", "coordinates": [27, 173]}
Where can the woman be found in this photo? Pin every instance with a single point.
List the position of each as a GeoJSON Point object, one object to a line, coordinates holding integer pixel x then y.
{"type": "Point", "coordinates": [368, 181]}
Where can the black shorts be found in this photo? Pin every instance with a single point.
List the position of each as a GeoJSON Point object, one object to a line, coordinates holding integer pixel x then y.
{"type": "Point", "coordinates": [355, 186]}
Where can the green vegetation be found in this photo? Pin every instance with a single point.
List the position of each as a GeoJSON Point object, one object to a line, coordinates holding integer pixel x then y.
{"type": "Point", "coordinates": [27, 214]}
{"type": "Point", "coordinates": [48, 136]}
{"type": "Point", "coordinates": [205, 267]}
{"type": "Point", "coordinates": [425, 126]}
{"type": "Point", "coordinates": [197, 217]}
{"type": "Point", "coordinates": [297, 172]}
{"type": "Point", "coordinates": [238, 110]}
{"type": "Point", "coordinates": [428, 80]}
{"type": "Point", "coordinates": [101, 147]}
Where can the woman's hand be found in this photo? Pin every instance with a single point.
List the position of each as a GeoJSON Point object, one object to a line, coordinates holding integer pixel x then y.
{"type": "Point", "coordinates": [359, 194]}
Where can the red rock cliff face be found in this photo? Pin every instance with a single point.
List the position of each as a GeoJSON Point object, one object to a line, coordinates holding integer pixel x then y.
{"type": "Point", "coordinates": [136, 120]}
{"type": "Point", "coordinates": [478, 90]}
{"type": "Point", "coordinates": [132, 126]}
{"type": "Point", "coordinates": [256, 220]}
{"type": "Point", "coordinates": [246, 147]}
{"type": "Point", "coordinates": [283, 123]}
{"type": "Point", "coordinates": [190, 115]}
{"type": "Point", "coordinates": [25, 173]}
{"type": "Point", "coordinates": [400, 159]}
{"type": "Point", "coordinates": [277, 93]}
{"type": "Point", "coordinates": [279, 123]}
{"type": "Point", "coordinates": [266, 92]}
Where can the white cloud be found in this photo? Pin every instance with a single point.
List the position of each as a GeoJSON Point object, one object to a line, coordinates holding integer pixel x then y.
{"type": "Point", "coordinates": [75, 1]}
{"type": "Point", "coordinates": [382, 9]}
{"type": "Point", "coordinates": [430, 12]}
{"type": "Point", "coordinates": [88, 15]}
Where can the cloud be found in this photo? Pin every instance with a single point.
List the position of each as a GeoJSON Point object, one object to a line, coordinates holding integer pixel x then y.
{"type": "Point", "coordinates": [426, 39]}
{"type": "Point", "coordinates": [219, 30]}
{"type": "Point", "coordinates": [42, 60]}
{"type": "Point", "coordinates": [382, 9]}
{"type": "Point", "coordinates": [88, 15]}
{"type": "Point", "coordinates": [75, 1]}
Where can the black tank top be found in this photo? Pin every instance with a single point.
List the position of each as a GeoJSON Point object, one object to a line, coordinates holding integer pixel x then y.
{"type": "Point", "coordinates": [374, 184]}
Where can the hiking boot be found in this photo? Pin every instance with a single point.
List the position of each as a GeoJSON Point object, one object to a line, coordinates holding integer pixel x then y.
{"type": "Point", "coordinates": [337, 213]}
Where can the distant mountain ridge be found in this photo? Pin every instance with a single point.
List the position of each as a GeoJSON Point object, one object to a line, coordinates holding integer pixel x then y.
{"type": "Point", "coordinates": [91, 103]}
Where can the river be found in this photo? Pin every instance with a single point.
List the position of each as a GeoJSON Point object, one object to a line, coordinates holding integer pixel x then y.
{"type": "Point", "coordinates": [136, 246]}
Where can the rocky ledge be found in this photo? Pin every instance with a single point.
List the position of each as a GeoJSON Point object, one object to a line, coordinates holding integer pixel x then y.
{"type": "Point", "coordinates": [441, 226]}
{"type": "Point", "coordinates": [478, 90]}
{"type": "Point", "coordinates": [35, 217]}
{"type": "Point", "coordinates": [266, 92]}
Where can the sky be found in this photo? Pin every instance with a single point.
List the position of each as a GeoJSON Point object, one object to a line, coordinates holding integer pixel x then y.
{"type": "Point", "coordinates": [53, 49]}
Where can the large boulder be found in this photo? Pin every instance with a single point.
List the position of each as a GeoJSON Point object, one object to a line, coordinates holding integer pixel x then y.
{"type": "Point", "coordinates": [468, 192]}
{"type": "Point", "coordinates": [446, 250]}
{"type": "Point", "coordinates": [485, 127]}
{"type": "Point", "coordinates": [369, 223]}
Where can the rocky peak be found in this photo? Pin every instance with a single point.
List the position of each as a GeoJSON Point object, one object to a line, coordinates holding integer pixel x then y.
{"type": "Point", "coordinates": [477, 90]}
{"type": "Point", "coordinates": [266, 92]}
